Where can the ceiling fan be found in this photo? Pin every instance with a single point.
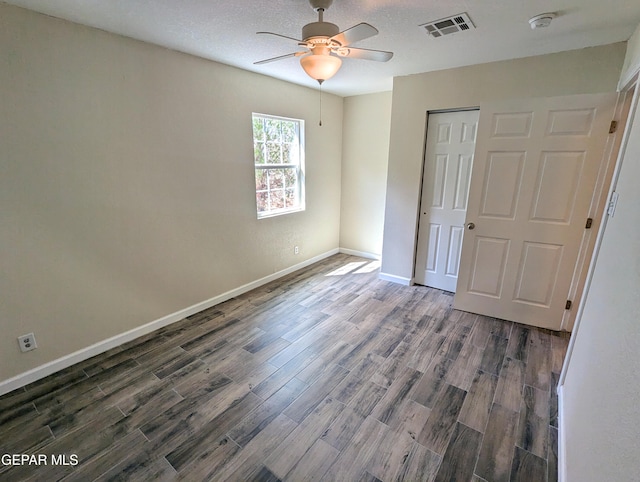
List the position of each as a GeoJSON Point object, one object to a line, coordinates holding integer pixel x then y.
{"type": "Point", "coordinates": [325, 45]}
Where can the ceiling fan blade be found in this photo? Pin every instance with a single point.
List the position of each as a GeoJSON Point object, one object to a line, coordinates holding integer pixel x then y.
{"type": "Point", "coordinates": [273, 59]}
{"type": "Point", "coordinates": [355, 33]}
{"type": "Point", "coordinates": [278, 35]}
{"type": "Point", "coordinates": [366, 54]}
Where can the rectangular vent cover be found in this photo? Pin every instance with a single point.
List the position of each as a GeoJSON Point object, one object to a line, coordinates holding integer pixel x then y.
{"type": "Point", "coordinates": [448, 25]}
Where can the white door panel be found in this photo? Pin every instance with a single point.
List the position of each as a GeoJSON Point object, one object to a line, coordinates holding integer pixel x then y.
{"type": "Point", "coordinates": [447, 172]}
{"type": "Point", "coordinates": [488, 268]}
{"type": "Point", "coordinates": [532, 183]}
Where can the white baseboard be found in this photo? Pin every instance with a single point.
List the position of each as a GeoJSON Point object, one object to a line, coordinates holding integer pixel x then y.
{"type": "Point", "coordinates": [361, 254]}
{"type": "Point", "coordinates": [562, 467]}
{"type": "Point", "coordinates": [396, 279]}
{"type": "Point", "coordinates": [66, 361]}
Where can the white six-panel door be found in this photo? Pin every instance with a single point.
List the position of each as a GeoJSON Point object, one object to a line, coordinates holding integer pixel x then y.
{"type": "Point", "coordinates": [536, 165]}
{"type": "Point", "coordinates": [448, 161]}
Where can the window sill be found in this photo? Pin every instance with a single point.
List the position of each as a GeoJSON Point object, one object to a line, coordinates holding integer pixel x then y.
{"type": "Point", "coordinates": [279, 213]}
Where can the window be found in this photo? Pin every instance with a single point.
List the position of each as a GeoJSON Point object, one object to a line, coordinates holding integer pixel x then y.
{"type": "Point", "coordinates": [278, 151]}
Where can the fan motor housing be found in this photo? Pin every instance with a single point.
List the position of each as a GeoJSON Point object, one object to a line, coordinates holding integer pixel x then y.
{"type": "Point", "coordinates": [319, 29]}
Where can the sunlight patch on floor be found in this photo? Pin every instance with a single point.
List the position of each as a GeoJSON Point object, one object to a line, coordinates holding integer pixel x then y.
{"type": "Point", "coordinates": [374, 265]}
{"type": "Point", "coordinates": [358, 267]}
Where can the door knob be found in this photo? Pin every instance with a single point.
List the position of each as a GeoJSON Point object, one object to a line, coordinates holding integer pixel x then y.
{"type": "Point", "coordinates": [471, 226]}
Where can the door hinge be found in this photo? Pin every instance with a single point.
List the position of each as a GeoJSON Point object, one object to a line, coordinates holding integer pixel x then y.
{"type": "Point", "coordinates": [613, 202]}
{"type": "Point", "coordinates": [589, 223]}
{"type": "Point", "coordinates": [613, 127]}
{"type": "Point", "coordinates": [567, 305]}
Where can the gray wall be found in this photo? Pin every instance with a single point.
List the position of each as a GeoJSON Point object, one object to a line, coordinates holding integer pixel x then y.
{"type": "Point", "coordinates": [127, 185]}
{"type": "Point", "coordinates": [365, 151]}
{"type": "Point", "coordinates": [585, 71]}
{"type": "Point", "coordinates": [600, 412]}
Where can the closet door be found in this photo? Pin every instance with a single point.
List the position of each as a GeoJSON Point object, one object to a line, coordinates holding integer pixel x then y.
{"type": "Point", "coordinates": [448, 160]}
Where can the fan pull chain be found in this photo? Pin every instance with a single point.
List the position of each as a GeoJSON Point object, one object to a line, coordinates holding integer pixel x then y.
{"type": "Point", "coordinates": [320, 123]}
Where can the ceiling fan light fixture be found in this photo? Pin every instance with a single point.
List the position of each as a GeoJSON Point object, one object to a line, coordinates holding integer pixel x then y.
{"type": "Point", "coordinates": [325, 45]}
{"type": "Point", "coordinates": [320, 67]}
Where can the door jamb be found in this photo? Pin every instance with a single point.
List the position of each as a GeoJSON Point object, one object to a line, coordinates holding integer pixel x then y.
{"type": "Point", "coordinates": [631, 91]}
{"type": "Point", "coordinates": [597, 211]}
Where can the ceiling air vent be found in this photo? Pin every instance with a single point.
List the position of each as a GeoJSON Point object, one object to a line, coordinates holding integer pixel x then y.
{"type": "Point", "coordinates": [449, 25]}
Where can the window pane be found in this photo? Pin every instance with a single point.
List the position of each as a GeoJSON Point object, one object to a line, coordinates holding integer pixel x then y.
{"type": "Point", "coordinates": [291, 198]}
{"type": "Point", "coordinates": [273, 153]}
{"type": "Point", "coordinates": [276, 179]}
{"type": "Point", "coordinates": [261, 180]}
{"type": "Point", "coordinates": [273, 130]}
{"type": "Point", "coordinates": [277, 199]}
{"type": "Point", "coordinates": [262, 200]}
{"type": "Point", "coordinates": [286, 154]}
{"type": "Point", "coordinates": [258, 129]}
{"type": "Point", "coordinates": [258, 152]}
{"type": "Point", "coordinates": [288, 131]}
{"type": "Point", "coordinates": [294, 153]}
{"type": "Point", "coordinates": [290, 177]}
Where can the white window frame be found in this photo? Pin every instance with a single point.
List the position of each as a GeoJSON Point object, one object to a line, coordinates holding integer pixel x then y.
{"type": "Point", "coordinates": [297, 151]}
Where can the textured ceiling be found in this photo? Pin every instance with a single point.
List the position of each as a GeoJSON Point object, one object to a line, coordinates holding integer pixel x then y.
{"type": "Point", "coordinates": [225, 31]}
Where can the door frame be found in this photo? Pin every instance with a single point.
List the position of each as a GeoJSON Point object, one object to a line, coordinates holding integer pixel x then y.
{"type": "Point", "coordinates": [628, 103]}
{"type": "Point", "coordinates": [599, 203]}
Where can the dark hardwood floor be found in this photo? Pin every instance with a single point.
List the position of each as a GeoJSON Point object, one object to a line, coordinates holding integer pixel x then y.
{"type": "Point", "coordinates": [326, 374]}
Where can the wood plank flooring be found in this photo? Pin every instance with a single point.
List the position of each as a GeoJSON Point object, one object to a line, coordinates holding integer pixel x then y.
{"type": "Point", "coordinates": [327, 374]}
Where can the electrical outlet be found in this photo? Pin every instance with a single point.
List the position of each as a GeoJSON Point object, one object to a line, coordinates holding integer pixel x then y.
{"type": "Point", "coordinates": [296, 250]}
{"type": "Point", "coordinates": [27, 342]}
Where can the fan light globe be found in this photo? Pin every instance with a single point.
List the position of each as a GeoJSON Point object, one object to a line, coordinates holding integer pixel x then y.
{"type": "Point", "coordinates": [320, 67]}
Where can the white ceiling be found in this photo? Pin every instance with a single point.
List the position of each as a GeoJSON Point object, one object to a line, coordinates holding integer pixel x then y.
{"type": "Point", "coordinates": [225, 31]}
